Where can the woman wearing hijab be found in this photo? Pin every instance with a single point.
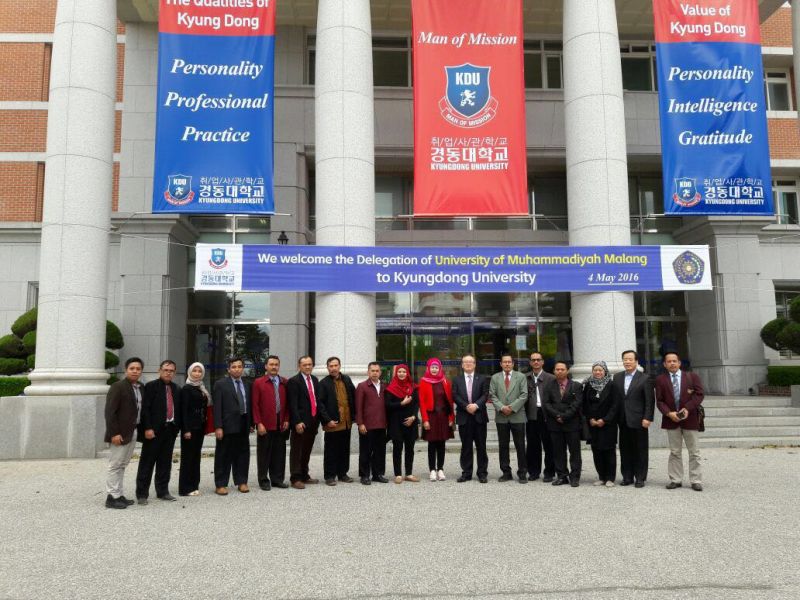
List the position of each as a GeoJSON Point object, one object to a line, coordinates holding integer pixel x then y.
{"type": "Point", "coordinates": [194, 400]}
{"type": "Point", "coordinates": [402, 404]}
{"type": "Point", "coordinates": [437, 414]}
{"type": "Point", "coordinates": [600, 411]}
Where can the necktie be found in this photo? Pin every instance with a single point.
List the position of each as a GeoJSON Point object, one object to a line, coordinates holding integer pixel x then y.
{"type": "Point", "coordinates": [563, 387]}
{"type": "Point", "coordinates": [170, 404]}
{"type": "Point", "coordinates": [536, 387]}
{"type": "Point", "coordinates": [240, 396]}
{"type": "Point", "coordinates": [311, 396]}
{"type": "Point", "coordinates": [508, 381]}
{"type": "Point", "coordinates": [469, 389]}
{"type": "Point", "coordinates": [277, 384]}
{"type": "Point", "coordinates": [676, 391]}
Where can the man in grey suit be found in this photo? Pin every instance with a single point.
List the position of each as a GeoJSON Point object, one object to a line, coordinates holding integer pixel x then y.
{"type": "Point", "coordinates": [537, 438]}
{"type": "Point", "coordinates": [634, 393]}
{"type": "Point", "coordinates": [508, 391]}
{"type": "Point", "coordinates": [469, 395]}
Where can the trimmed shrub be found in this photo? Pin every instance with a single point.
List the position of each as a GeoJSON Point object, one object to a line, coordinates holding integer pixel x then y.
{"type": "Point", "coordinates": [783, 376]}
{"type": "Point", "coordinates": [770, 331]}
{"type": "Point", "coordinates": [112, 379]}
{"type": "Point", "coordinates": [789, 337]}
{"type": "Point", "coordinates": [25, 323]}
{"type": "Point", "coordinates": [13, 366]}
{"type": "Point", "coordinates": [794, 310]}
{"type": "Point", "coordinates": [114, 340]}
{"type": "Point", "coordinates": [31, 360]}
{"type": "Point", "coordinates": [29, 342]}
{"type": "Point", "coordinates": [11, 347]}
{"type": "Point", "coordinates": [13, 386]}
{"type": "Point", "coordinates": [112, 360]}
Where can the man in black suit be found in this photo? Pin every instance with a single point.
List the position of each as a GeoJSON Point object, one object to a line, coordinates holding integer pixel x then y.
{"type": "Point", "coordinates": [536, 434]}
{"type": "Point", "coordinates": [233, 421]}
{"type": "Point", "coordinates": [337, 410]}
{"type": "Point", "coordinates": [470, 392]}
{"type": "Point", "coordinates": [635, 396]}
{"type": "Point", "coordinates": [160, 424]}
{"type": "Point", "coordinates": [562, 403]}
{"type": "Point", "coordinates": [303, 391]}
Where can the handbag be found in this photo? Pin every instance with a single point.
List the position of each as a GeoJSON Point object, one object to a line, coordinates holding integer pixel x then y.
{"type": "Point", "coordinates": [701, 412]}
{"type": "Point", "coordinates": [209, 419]}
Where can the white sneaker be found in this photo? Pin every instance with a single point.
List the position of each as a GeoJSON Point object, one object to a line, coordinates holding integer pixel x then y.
{"type": "Point", "coordinates": [440, 475]}
{"type": "Point", "coordinates": [599, 483]}
{"type": "Point", "coordinates": [433, 476]}
{"type": "Point", "coordinates": [609, 484]}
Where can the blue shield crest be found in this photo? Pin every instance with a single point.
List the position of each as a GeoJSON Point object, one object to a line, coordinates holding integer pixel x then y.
{"type": "Point", "coordinates": [685, 189]}
{"type": "Point", "coordinates": [468, 89]}
{"type": "Point", "coordinates": [179, 186]}
{"type": "Point", "coordinates": [218, 257]}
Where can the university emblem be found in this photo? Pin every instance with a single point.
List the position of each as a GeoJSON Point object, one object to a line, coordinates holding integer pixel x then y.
{"type": "Point", "coordinates": [686, 193]}
{"type": "Point", "coordinates": [689, 268]}
{"type": "Point", "coordinates": [468, 100]}
{"type": "Point", "coordinates": [218, 260]}
{"type": "Point", "coordinates": [179, 190]}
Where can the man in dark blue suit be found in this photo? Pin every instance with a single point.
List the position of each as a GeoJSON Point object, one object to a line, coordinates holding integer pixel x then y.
{"type": "Point", "coordinates": [233, 420]}
{"type": "Point", "coordinates": [470, 391]}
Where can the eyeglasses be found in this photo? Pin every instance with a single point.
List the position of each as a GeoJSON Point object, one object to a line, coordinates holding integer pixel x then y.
{"type": "Point", "coordinates": [537, 360]}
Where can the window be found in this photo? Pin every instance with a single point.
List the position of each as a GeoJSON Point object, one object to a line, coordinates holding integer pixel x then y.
{"type": "Point", "coordinates": [784, 193]}
{"type": "Point", "coordinates": [549, 203]}
{"type": "Point", "coordinates": [776, 89]}
{"type": "Point", "coordinates": [783, 298]}
{"type": "Point", "coordinates": [33, 295]}
{"type": "Point", "coordinates": [391, 61]}
{"type": "Point", "coordinates": [543, 64]}
{"type": "Point", "coordinates": [638, 67]}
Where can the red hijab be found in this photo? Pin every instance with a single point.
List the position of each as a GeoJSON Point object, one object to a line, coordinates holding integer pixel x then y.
{"type": "Point", "coordinates": [430, 377]}
{"type": "Point", "coordinates": [398, 387]}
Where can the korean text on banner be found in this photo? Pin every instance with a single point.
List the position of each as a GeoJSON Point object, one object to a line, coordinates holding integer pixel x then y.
{"type": "Point", "coordinates": [214, 120]}
{"type": "Point", "coordinates": [714, 137]}
{"type": "Point", "coordinates": [469, 108]}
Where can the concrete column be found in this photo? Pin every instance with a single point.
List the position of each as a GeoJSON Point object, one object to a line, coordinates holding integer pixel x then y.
{"type": "Point", "coordinates": [597, 173]}
{"type": "Point", "coordinates": [77, 202]}
{"type": "Point", "coordinates": [345, 172]}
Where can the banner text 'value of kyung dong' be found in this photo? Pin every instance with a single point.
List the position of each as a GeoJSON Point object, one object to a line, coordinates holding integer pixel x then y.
{"type": "Point", "coordinates": [214, 120]}
{"type": "Point", "coordinates": [231, 267]}
{"type": "Point", "coordinates": [711, 100]}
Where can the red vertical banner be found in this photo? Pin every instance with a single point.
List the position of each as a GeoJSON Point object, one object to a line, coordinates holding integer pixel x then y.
{"type": "Point", "coordinates": [469, 108]}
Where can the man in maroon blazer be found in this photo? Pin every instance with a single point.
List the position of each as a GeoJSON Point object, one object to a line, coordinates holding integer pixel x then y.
{"type": "Point", "coordinates": [678, 395]}
{"type": "Point", "coordinates": [371, 420]}
{"type": "Point", "coordinates": [271, 417]}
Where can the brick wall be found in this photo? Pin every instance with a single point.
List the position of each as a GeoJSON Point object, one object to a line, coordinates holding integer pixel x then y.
{"type": "Point", "coordinates": [784, 138]}
{"type": "Point", "coordinates": [777, 30]}
{"type": "Point", "coordinates": [21, 191]}
{"type": "Point", "coordinates": [27, 16]}
{"type": "Point", "coordinates": [24, 71]}
{"type": "Point", "coordinates": [23, 130]}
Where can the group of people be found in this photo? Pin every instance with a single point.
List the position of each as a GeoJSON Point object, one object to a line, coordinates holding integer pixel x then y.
{"type": "Point", "coordinates": [546, 415]}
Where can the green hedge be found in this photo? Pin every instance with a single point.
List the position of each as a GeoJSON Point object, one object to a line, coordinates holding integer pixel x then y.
{"type": "Point", "coordinates": [112, 379]}
{"type": "Point", "coordinates": [13, 366]}
{"type": "Point", "coordinates": [31, 360]}
{"type": "Point", "coordinates": [794, 310]}
{"type": "Point", "coordinates": [789, 337]}
{"type": "Point", "coordinates": [770, 331]}
{"type": "Point", "coordinates": [784, 376]}
{"type": "Point", "coordinates": [112, 360]}
{"type": "Point", "coordinates": [25, 323]}
{"type": "Point", "coordinates": [11, 347]}
{"type": "Point", "coordinates": [29, 342]}
{"type": "Point", "coordinates": [13, 386]}
{"type": "Point", "coordinates": [114, 340]}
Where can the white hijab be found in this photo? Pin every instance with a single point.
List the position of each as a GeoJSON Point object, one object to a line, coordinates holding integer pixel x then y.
{"type": "Point", "coordinates": [197, 382]}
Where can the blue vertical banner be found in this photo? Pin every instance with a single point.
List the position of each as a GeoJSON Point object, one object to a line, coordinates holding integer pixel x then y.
{"type": "Point", "coordinates": [215, 114]}
{"type": "Point", "coordinates": [714, 138]}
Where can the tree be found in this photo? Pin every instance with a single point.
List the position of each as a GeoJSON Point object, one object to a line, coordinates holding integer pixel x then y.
{"type": "Point", "coordinates": [784, 334]}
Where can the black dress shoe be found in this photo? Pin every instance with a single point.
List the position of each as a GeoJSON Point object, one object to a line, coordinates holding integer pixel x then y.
{"type": "Point", "coordinates": [672, 485]}
{"type": "Point", "coordinates": [142, 501]}
{"type": "Point", "coordinates": [126, 501]}
{"type": "Point", "coordinates": [266, 486]}
{"type": "Point", "coordinates": [346, 479]}
{"type": "Point", "coordinates": [574, 483]}
{"type": "Point", "coordinates": [697, 487]}
{"type": "Point", "coordinates": [463, 478]}
{"type": "Point", "coordinates": [533, 477]}
{"type": "Point", "coordinates": [547, 479]}
{"type": "Point", "coordinates": [505, 477]}
{"type": "Point", "coordinates": [365, 481]}
{"type": "Point", "coordinates": [279, 484]}
{"type": "Point", "coordinates": [380, 479]}
{"type": "Point", "coordinates": [330, 482]}
{"type": "Point", "coordinates": [112, 502]}
{"type": "Point", "coordinates": [626, 482]}
{"type": "Point", "coordinates": [639, 484]}
{"type": "Point", "coordinates": [523, 479]}
{"type": "Point", "coordinates": [168, 498]}
{"type": "Point", "coordinates": [483, 480]}
{"type": "Point", "coordinates": [561, 482]}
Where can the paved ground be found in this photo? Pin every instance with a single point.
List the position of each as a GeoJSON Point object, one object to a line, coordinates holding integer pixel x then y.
{"type": "Point", "coordinates": [739, 539]}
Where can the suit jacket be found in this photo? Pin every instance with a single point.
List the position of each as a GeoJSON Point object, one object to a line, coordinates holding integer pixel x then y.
{"type": "Point", "coordinates": [300, 401]}
{"type": "Point", "coordinates": [605, 406]}
{"type": "Point", "coordinates": [328, 405]}
{"type": "Point", "coordinates": [154, 405]}
{"type": "Point", "coordinates": [480, 393]}
{"type": "Point", "coordinates": [226, 406]}
{"type": "Point", "coordinates": [530, 408]}
{"type": "Point", "coordinates": [515, 397]}
{"type": "Point", "coordinates": [264, 403]}
{"type": "Point", "coordinates": [639, 403]}
{"type": "Point", "coordinates": [121, 411]}
{"type": "Point", "coordinates": [193, 408]}
{"type": "Point", "coordinates": [568, 406]}
{"type": "Point", "coordinates": [370, 406]}
{"type": "Point", "coordinates": [690, 401]}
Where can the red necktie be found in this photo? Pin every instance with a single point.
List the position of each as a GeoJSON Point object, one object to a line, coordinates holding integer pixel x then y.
{"type": "Point", "coordinates": [311, 396]}
{"type": "Point", "coordinates": [170, 404]}
{"type": "Point", "coordinates": [508, 380]}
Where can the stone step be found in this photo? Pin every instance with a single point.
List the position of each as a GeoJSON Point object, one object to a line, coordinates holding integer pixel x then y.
{"type": "Point", "coordinates": [749, 401]}
{"type": "Point", "coordinates": [747, 442]}
{"type": "Point", "coordinates": [746, 432]}
{"type": "Point", "coordinates": [714, 422]}
{"type": "Point", "coordinates": [753, 411]}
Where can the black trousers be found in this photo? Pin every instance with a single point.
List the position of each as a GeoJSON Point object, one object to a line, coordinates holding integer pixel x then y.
{"type": "Point", "coordinates": [505, 431]}
{"type": "Point", "coordinates": [300, 446]}
{"type": "Point", "coordinates": [336, 456]}
{"type": "Point", "coordinates": [563, 440]}
{"type": "Point", "coordinates": [436, 452]}
{"type": "Point", "coordinates": [372, 453]}
{"type": "Point", "coordinates": [634, 445]}
{"type": "Point", "coordinates": [471, 433]}
{"type": "Point", "coordinates": [191, 450]}
{"type": "Point", "coordinates": [156, 454]}
{"type": "Point", "coordinates": [538, 441]}
{"type": "Point", "coordinates": [233, 455]}
{"type": "Point", "coordinates": [404, 444]}
{"type": "Point", "coordinates": [271, 456]}
{"type": "Point", "coordinates": [605, 461]}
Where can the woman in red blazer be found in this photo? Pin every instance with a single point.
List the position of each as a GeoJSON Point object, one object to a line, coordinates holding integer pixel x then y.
{"type": "Point", "coordinates": [437, 415]}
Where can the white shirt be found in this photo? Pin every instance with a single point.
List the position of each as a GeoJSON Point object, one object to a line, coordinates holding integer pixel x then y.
{"type": "Point", "coordinates": [377, 387]}
{"type": "Point", "coordinates": [678, 374]}
{"type": "Point", "coordinates": [628, 380]}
